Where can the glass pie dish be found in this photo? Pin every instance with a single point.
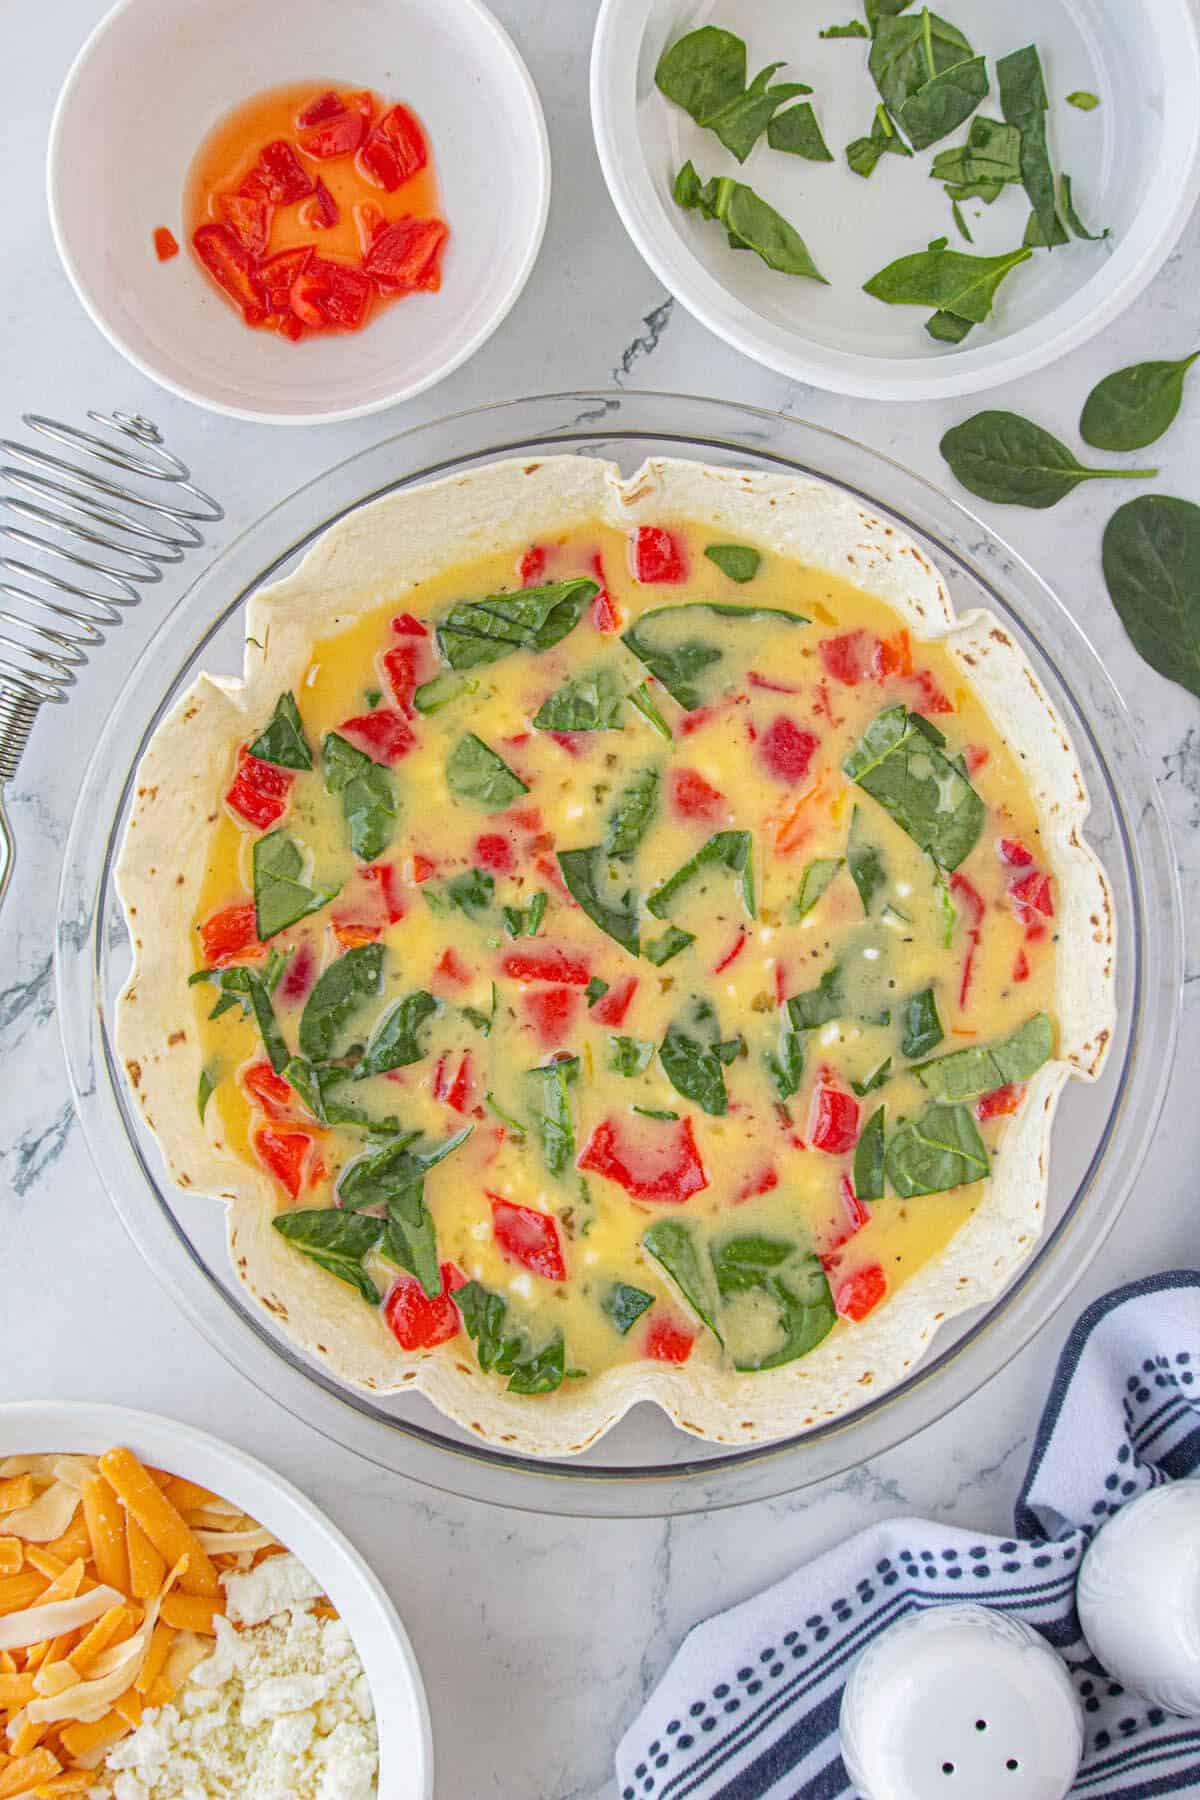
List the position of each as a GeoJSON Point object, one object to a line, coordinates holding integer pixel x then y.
{"type": "Point", "coordinates": [644, 1466]}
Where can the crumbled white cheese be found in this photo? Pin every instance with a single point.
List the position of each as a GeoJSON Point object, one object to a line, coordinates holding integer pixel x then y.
{"type": "Point", "coordinates": [871, 953]}
{"type": "Point", "coordinates": [521, 1284]}
{"type": "Point", "coordinates": [281, 1710]}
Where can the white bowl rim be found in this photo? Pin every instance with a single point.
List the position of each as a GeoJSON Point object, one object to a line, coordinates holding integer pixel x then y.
{"type": "Point", "coordinates": [254, 415]}
{"type": "Point", "coordinates": [615, 47]}
{"type": "Point", "coordinates": [83, 1427]}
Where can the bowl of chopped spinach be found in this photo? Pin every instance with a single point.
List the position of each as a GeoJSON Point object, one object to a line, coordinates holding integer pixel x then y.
{"type": "Point", "coordinates": [887, 201]}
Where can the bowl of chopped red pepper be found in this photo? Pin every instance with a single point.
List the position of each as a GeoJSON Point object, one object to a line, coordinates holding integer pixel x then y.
{"type": "Point", "coordinates": [309, 223]}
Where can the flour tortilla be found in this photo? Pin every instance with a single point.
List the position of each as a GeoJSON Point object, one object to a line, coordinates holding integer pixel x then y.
{"type": "Point", "coordinates": [373, 558]}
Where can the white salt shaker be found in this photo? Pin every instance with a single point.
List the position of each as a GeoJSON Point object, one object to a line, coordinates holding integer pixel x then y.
{"type": "Point", "coordinates": [961, 1703]}
{"type": "Point", "coordinates": [1139, 1596]}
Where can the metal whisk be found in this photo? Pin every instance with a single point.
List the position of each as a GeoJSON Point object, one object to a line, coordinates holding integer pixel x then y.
{"type": "Point", "coordinates": [98, 543]}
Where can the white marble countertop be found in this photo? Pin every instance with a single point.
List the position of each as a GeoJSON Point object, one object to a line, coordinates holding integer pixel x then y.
{"type": "Point", "coordinates": [537, 1637]}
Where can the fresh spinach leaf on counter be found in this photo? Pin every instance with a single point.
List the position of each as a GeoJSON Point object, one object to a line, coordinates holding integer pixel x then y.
{"type": "Point", "coordinates": [550, 1085]}
{"type": "Point", "coordinates": [867, 869]}
{"type": "Point", "coordinates": [730, 850]}
{"type": "Point", "coordinates": [689, 667]}
{"type": "Point", "coordinates": [336, 1241]}
{"type": "Point", "coordinates": [869, 1157]}
{"type": "Point", "coordinates": [283, 741]}
{"type": "Point", "coordinates": [533, 618]}
{"type": "Point", "coordinates": [813, 883]}
{"type": "Point", "coordinates": [884, 140]}
{"type": "Point", "coordinates": [750, 223]}
{"type": "Point", "coordinates": [663, 948]}
{"type": "Point", "coordinates": [704, 72]}
{"type": "Point", "coordinates": [504, 1352]}
{"type": "Point", "coordinates": [928, 76]}
{"type": "Point", "coordinates": [280, 896]}
{"type": "Point", "coordinates": [633, 814]}
{"type": "Point", "coordinates": [340, 990]}
{"type": "Point", "coordinates": [1152, 572]}
{"type": "Point", "coordinates": [590, 702]}
{"type": "Point", "coordinates": [1024, 104]}
{"type": "Point", "coordinates": [641, 699]}
{"type": "Point", "coordinates": [920, 1027]}
{"type": "Point", "coordinates": [854, 28]}
{"type": "Point", "coordinates": [393, 1043]}
{"type": "Point", "coordinates": [1083, 100]}
{"type": "Point", "coordinates": [949, 280]}
{"type": "Point", "coordinates": [1078, 228]}
{"type": "Point", "coordinates": [475, 772]}
{"type": "Point", "coordinates": [673, 1245]}
{"type": "Point", "coordinates": [629, 1056]}
{"type": "Point", "coordinates": [1001, 456]}
{"type": "Point", "coordinates": [981, 1068]}
{"type": "Point", "coordinates": [525, 921]}
{"type": "Point", "coordinates": [819, 1005]}
{"type": "Point", "coordinates": [788, 1276]}
{"type": "Point", "coordinates": [900, 765]}
{"type": "Point", "coordinates": [1133, 407]}
{"type": "Point", "coordinates": [367, 791]}
{"type": "Point", "coordinates": [739, 561]}
{"type": "Point", "coordinates": [693, 1057]}
{"type": "Point", "coordinates": [625, 1304]}
{"type": "Point", "coordinates": [942, 1149]}
{"type": "Point", "coordinates": [797, 133]}
{"type": "Point", "coordinates": [601, 887]}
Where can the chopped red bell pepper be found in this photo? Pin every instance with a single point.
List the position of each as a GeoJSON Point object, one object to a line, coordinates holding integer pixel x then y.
{"type": "Point", "coordinates": [665, 1341]}
{"type": "Point", "coordinates": [417, 1322]}
{"type": "Point", "coordinates": [610, 1008]}
{"type": "Point", "coordinates": [395, 150]}
{"type": "Point", "coordinates": [970, 897]}
{"type": "Point", "coordinates": [269, 1092]}
{"type": "Point", "coordinates": [451, 965]}
{"type": "Point", "coordinates": [529, 1237]}
{"type": "Point", "coordinates": [248, 215]}
{"type": "Point", "coordinates": [406, 255]}
{"type": "Point", "coordinates": [844, 1225]}
{"type": "Point", "coordinates": [405, 625]}
{"type": "Point", "coordinates": [780, 982]}
{"type": "Point", "coordinates": [974, 756]}
{"type": "Point", "coordinates": [369, 221]}
{"type": "Point", "coordinates": [331, 295]}
{"type": "Point", "coordinates": [933, 700]}
{"type": "Point", "coordinates": [290, 1156]}
{"type": "Point", "coordinates": [279, 274]}
{"type": "Point", "coordinates": [384, 734]}
{"type": "Point", "coordinates": [454, 1090]}
{"type": "Point", "coordinates": [232, 268]}
{"type": "Point", "coordinates": [532, 566]}
{"type": "Point", "coordinates": [606, 616]}
{"type": "Point", "coordinates": [833, 1122]}
{"type": "Point", "coordinates": [1032, 894]}
{"type": "Point", "coordinates": [851, 657]}
{"type": "Point", "coordinates": [1000, 1102]}
{"type": "Point", "coordinates": [404, 669]}
{"type": "Point", "coordinates": [701, 716]}
{"type": "Point", "coordinates": [664, 1165]}
{"type": "Point", "coordinates": [1020, 967]}
{"type": "Point", "coordinates": [386, 877]}
{"type": "Point", "coordinates": [771, 687]}
{"type": "Point", "coordinates": [546, 962]}
{"type": "Point", "coordinates": [1016, 854]}
{"type": "Point", "coordinates": [495, 852]}
{"type": "Point", "coordinates": [260, 790]}
{"type": "Point", "coordinates": [326, 106]}
{"type": "Point", "coordinates": [284, 175]}
{"type": "Point", "coordinates": [860, 1293]}
{"type": "Point", "coordinates": [335, 134]}
{"type": "Point", "coordinates": [322, 211]}
{"type": "Point", "coordinates": [753, 1185]}
{"type": "Point", "coordinates": [658, 555]}
{"type": "Point", "coordinates": [551, 1012]}
{"type": "Point", "coordinates": [231, 935]}
{"type": "Point", "coordinates": [573, 742]}
{"type": "Point", "coordinates": [166, 244]}
{"type": "Point", "coordinates": [297, 979]}
{"type": "Point", "coordinates": [695, 798]}
{"type": "Point", "coordinates": [894, 656]}
{"type": "Point", "coordinates": [787, 749]}
{"type": "Point", "coordinates": [423, 867]}
{"type": "Point", "coordinates": [732, 954]}
{"type": "Point", "coordinates": [351, 934]}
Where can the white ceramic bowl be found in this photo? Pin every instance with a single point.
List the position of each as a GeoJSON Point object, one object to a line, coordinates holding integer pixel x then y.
{"type": "Point", "coordinates": [401, 1714]}
{"type": "Point", "coordinates": [152, 80]}
{"type": "Point", "coordinates": [1135, 162]}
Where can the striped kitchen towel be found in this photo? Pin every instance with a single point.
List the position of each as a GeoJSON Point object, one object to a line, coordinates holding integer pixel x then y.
{"type": "Point", "coordinates": [749, 1707]}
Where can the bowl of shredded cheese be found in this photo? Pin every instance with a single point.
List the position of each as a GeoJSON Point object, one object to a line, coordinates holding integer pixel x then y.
{"type": "Point", "coordinates": [176, 1620]}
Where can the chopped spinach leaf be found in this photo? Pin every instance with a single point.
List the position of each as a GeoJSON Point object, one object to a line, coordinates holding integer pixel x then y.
{"type": "Point", "coordinates": [525, 921]}
{"type": "Point", "coordinates": [394, 1178]}
{"type": "Point", "coordinates": [629, 1056]}
{"type": "Point", "coordinates": [750, 223]}
{"type": "Point", "coordinates": [662, 1113]}
{"type": "Point", "coordinates": [1023, 102]}
{"type": "Point", "coordinates": [866, 863]}
{"type": "Point", "coordinates": [879, 1074]}
{"type": "Point", "coordinates": [813, 883]}
{"type": "Point", "coordinates": [482, 1021]}
{"type": "Point", "coordinates": [640, 698]}
{"type": "Point", "coordinates": [820, 1005]}
{"type": "Point", "coordinates": [897, 764]}
{"type": "Point", "coordinates": [738, 561]}
{"type": "Point", "coordinates": [687, 666]}
{"type": "Point", "coordinates": [600, 887]}
{"type": "Point", "coordinates": [633, 814]}
{"type": "Point", "coordinates": [503, 1352]}
{"type": "Point", "coordinates": [533, 618]}
{"type": "Point", "coordinates": [864, 153]}
{"type": "Point", "coordinates": [442, 691]}
{"type": "Point", "coordinates": [942, 1149]}
{"type": "Point", "coordinates": [393, 1043]}
{"type": "Point", "coordinates": [979, 1069]}
{"type": "Point", "coordinates": [785, 1062]}
{"type": "Point", "coordinates": [283, 742]}
{"type": "Point", "coordinates": [693, 1057]}
{"type": "Point", "coordinates": [673, 1245]}
{"type": "Point", "coordinates": [927, 74]}
{"type": "Point", "coordinates": [703, 71]}
{"type": "Point", "coordinates": [920, 1027]}
{"type": "Point", "coordinates": [797, 132]}
{"type": "Point", "coordinates": [595, 990]}
{"type": "Point", "coordinates": [1076, 224]}
{"type": "Point", "coordinates": [336, 1241]}
{"type": "Point", "coordinates": [368, 794]}
{"type": "Point", "coordinates": [475, 772]}
{"type": "Point", "coordinates": [550, 1085]}
{"type": "Point", "coordinates": [1083, 100]}
{"type": "Point", "coordinates": [949, 280]}
{"type": "Point", "coordinates": [752, 1269]}
{"type": "Point", "coordinates": [990, 156]}
{"type": "Point", "coordinates": [625, 1304]}
{"type": "Point", "coordinates": [204, 1092]}
{"type": "Point", "coordinates": [280, 896]}
{"type": "Point", "coordinates": [672, 941]}
{"type": "Point", "coordinates": [590, 702]}
{"type": "Point", "coordinates": [869, 1157]}
{"type": "Point", "coordinates": [853, 28]}
{"type": "Point", "coordinates": [514, 1124]}
{"type": "Point", "coordinates": [340, 990]}
{"type": "Point", "coordinates": [730, 850]}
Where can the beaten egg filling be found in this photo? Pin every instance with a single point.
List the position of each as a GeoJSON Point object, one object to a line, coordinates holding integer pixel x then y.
{"type": "Point", "coordinates": [666, 1143]}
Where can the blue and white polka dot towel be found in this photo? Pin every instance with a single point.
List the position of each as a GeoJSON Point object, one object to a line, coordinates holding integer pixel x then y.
{"type": "Point", "coordinates": [749, 1707]}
